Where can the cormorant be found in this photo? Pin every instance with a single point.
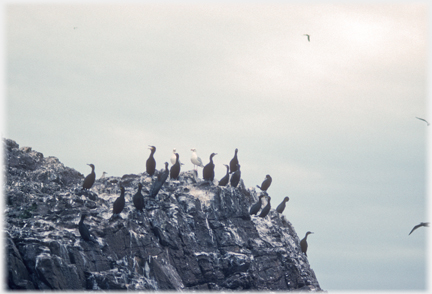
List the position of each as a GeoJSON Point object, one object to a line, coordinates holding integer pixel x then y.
{"type": "Point", "coordinates": [423, 120]}
{"type": "Point", "coordinates": [173, 157]}
{"type": "Point", "coordinates": [175, 169]}
{"type": "Point", "coordinates": [138, 198]}
{"type": "Point", "coordinates": [82, 228]}
{"type": "Point", "coordinates": [157, 184]}
{"type": "Point", "coordinates": [257, 206]}
{"type": "Point", "coordinates": [418, 226]}
{"type": "Point", "coordinates": [196, 161]}
{"type": "Point", "coordinates": [234, 162]}
{"type": "Point", "coordinates": [307, 36]}
{"type": "Point", "coordinates": [281, 206]}
{"type": "Point", "coordinates": [151, 162]}
{"type": "Point", "coordinates": [303, 243]}
{"type": "Point", "coordinates": [235, 178]}
{"type": "Point", "coordinates": [90, 179]}
{"type": "Point", "coordinates": [208, 170]}
{"type": "Point", "coordinates": [266, 183]}
{"type": "Point", "coordinates": [266, 208]}
{"type": "Point", "coordinates": [119, 203]}
{"type": "Point", "coordinates": [225, 179]}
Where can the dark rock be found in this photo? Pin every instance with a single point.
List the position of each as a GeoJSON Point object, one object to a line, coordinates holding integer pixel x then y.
{"type": "Point", "coordinates": [192, 236]}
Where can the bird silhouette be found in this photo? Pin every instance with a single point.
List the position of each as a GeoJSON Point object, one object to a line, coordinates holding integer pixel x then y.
{"type": "Point", "coordinates": [208, 170]}
{"type": "Point", "coordinates": [234, 162]}
{"type": "Point", "coordinates": [304, 244]}
{"type": "Point", "coordinates": [175, 169]}
{"type": "Point", "coordinates": [266, 208]}
{"type": "Point", "coordinates": [151, 162]}
{"type": "Point", "coordinates": [418, 226]}
{"type": "Point", "coordinates": [235, 178]}
{"type": "Point", "coordinates": [224, 181]}
{"type": "Point", "coordinates": [423, 120]}
{"type": "Point", "coordinates": [90, 179]}
{"type": "Point", "coordinates": [266, 183]}
{"type": "Point", "coordinates": [281, 206]}
{"type": "Point", "coordinates": [82, 228]}
{"type": "Point", "coordinates": [138, 199]}
{"type": "Point", "coordinates": [257, 206]}
{"type": "Point", "coordinates": [160, 180]}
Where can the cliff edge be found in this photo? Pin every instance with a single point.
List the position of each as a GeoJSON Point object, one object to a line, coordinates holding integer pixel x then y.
{"type": "Point", "coordinates": [193, 236]}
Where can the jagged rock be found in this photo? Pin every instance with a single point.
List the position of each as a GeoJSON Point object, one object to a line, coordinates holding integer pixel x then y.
{"type": "Point", "coordinates": [193, 236]}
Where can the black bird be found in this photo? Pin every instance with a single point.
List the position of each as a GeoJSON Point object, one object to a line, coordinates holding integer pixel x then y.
{"type": "Point", "coordinates": [266, 208]}
{"type": "Point", "coordinates": [266, 183]}
{"type": "Point", "coordinates": [303, 243]}
{"type": "Point", "coordinates": [257, 206]}
{"type": "Point", "coordinates": [281, 206]}
{"type": "Point", "coordinates": [418, 226]}
{"type": "Point", "coordinates": [90, 179]}
{"type": "Point", "coordinates": [138, 198]}
{"type": "Point", "coordinates": [160, 180]}
{"type": "Point", "coordinates": [307, 36]}
{"type": "Point", "coordinates": [208, 170]}
{"type": "Point", "coordinates": [235, 178]}
{"type": "Point", "coordinates": [175, 169]}
{"type": "Point", "coordinates": [423, 120]}
{"type": "Point", "coordinates": [151, 162]}
{"type": "Point", "coordinates": [119, 203]}
{"type": "Point", "coordinates": [225, 179]}
{"type": "Point", "coordinates": [82, 228]}
{"type": "Point", "coordinates": [234, 162]}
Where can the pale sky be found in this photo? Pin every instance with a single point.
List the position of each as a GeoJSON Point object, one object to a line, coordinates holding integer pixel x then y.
{"type": "Point", "coordinates": [331, 120]}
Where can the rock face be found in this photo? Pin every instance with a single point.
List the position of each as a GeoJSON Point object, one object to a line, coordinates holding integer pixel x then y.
{"type": "Point", "coordinates": [193, 236]}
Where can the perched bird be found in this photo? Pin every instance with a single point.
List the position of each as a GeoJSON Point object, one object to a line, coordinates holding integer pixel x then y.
{"type": "Point", "coordinates": [225, 179]}
{"type": "Point", "coordinates": [175, 169]}
{"type": "Point", "coordinates": [103, 175]}
{"type": "Point", "coordinates": [173, 157]}
{"type": "Point", "coordinates": [257, 206]}
{"type": "Point", "coordinates": [266, 183]}
{"type": "Point", "coordinates": [266, 208]}
{"type": "Point", "coordinates": [307, 36]}
{"type": "Point", "coordinates": [418, 226]}
{"type": "Point", "coordinates": [208, 170]}
{"type": "Point", "coordinates": [151, 162]}
{"type": "Point", "coordinates": [90, 179]}
{"type": "Point", "coordinates": [423, 120]}
{"type": "Point", "coordinates": [281, 206]}
{"type": "Point", "coordinates": [138, 198]}
{"type": "Point", "coordinates": [82, 228]}
{"type": "Point", "coordinates": [235, 178]}
{"type": "Point", "coordinates": [119, 203]}
{"type": "Point", "coordinates": [303, 243]}
{"type": "Point", "coordinates": [196, 161]}
{"type": "Point", "coordinates": [160, 180]}
{"type": "Point", "coordinates": [234, 162]}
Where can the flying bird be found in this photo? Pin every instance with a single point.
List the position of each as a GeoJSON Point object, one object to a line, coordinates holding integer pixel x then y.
{"type": "Point", "coordinates": [418, 226]}
{"type": "Point", "coordinates": [307, 36]}
{"type": "Point", "coordinates": [423, 120]}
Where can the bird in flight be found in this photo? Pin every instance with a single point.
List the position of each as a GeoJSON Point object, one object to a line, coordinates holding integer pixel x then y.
{"type": "Point", "coordinates": [307, 36]}
{"type": "Point", "coordinates": [422, 120]}
{"type": "Point", "coordinates": [418, 226]}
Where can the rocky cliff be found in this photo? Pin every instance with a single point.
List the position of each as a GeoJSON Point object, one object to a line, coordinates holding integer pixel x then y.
{"type": "Point", "coordinates": [193, 236]}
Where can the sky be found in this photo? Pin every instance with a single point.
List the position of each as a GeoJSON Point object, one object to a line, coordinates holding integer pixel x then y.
{"type": "Point", "coordinates": [333, 120]}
